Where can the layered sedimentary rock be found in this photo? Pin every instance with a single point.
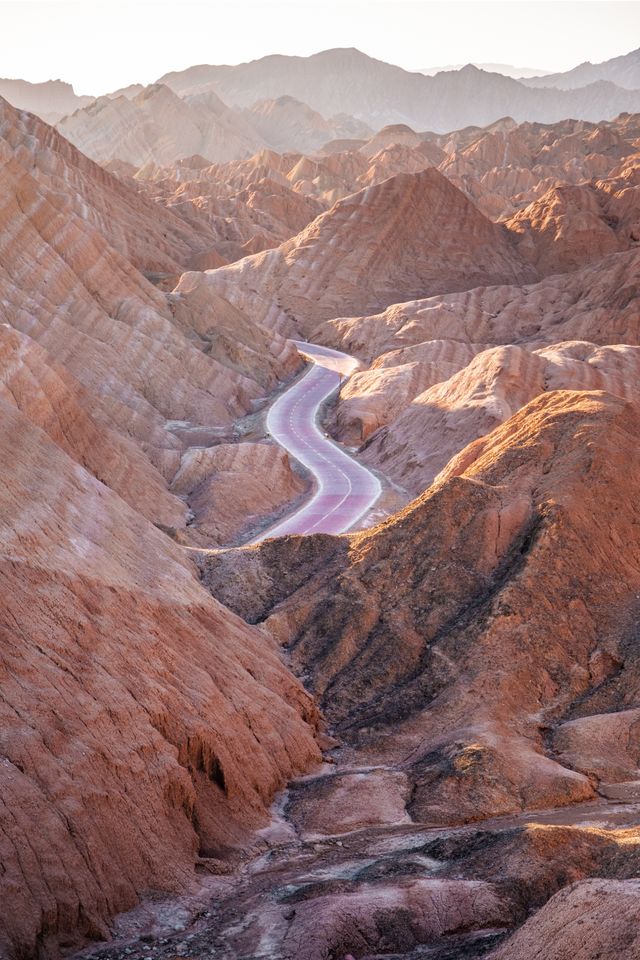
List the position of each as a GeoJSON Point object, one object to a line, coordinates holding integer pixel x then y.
{"type": "Point", "coordinates": [595, 918]}
{"type": "Point", "coordinates": [438, 423]}
{"type": "Point", "coordinates": [70, 284]}
{"type": "Point", "coordinates": [598, 304]}
{"type": "Point", "coordinates": [289, 125]}
{"type": "Point", "coordinates": [234, 489]}
{"type": "Point", "coordinates": [53, 400]}
{"type": "Point", "coordinates": [34, 154]}
{"type": "Point", "coordinates": [480, 669]}
{"type": "Point", "coordinates": [252, 211]}
{"type": "Point", "coordinates": [405, 237]}
{"type": "Point", "coordinates": [157, 125]}
{"type": "Point", "coordinates": [504, 167]}
{"type": "Point", "coordinates": [375, 397]}
{"type": "Point", "coordinates": [143, 725]}
{"type": "Point", "coordinates": [570, 227]}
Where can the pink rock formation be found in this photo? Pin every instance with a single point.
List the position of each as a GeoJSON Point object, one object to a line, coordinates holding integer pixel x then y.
{"type": "Point", "coordinates": [53, 400]}
{"type": "Point", "coordinates": [232, 489]}
{"type": "Point", "coordinates": [440, 422]}
{"type": "Point", "coordinates": [66, 284]}
{"type": "Point", "coordinates": [375, 397]}
{"type": "Point", "coordinates": [159, 126]}
{"type": "Point", "coordinates": [142, 723]}
{"type": "Point", "coordinates": [425, 639]}
{"type": "Point", "coordinates": [432, 239]}
{"type": "Point", "coordinates": [593, 919]}
{"type": "Point", "coordinates": [570, 227]}
{"type": "Point", "coordinates": [337, 925]}
{"type": "Point", "coordinates": [598, 304]}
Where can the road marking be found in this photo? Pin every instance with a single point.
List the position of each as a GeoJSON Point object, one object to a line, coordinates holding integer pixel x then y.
{"type": "Point", "coordinates": [282, 423]}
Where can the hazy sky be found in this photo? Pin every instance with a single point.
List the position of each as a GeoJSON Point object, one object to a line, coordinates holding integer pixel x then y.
{"type": "Point", "coordinates": [99, 46]}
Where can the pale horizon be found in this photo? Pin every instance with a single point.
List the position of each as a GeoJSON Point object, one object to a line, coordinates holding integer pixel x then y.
{"type": "Point", "coordinates": [139, 44]}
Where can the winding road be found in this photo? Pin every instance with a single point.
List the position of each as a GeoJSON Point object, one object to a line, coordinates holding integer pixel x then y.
{"type": "Point", "coordinates": [345, 490]}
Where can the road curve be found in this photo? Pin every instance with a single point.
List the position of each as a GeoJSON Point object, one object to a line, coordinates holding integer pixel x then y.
{"type": "Point", "coordinates": [345, 490]}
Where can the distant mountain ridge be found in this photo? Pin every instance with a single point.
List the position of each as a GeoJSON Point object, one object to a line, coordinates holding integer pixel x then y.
{"type": "Point", "coordinates": [506, 69]}
{"type": "Point", "coordinates": [348, 86]}
{"type": "Point", "coordinates": [624, 71]}
{"type": "Point", "coordinates": [377, 93]}
{"type": "Point", "coordinates": [51, 100]}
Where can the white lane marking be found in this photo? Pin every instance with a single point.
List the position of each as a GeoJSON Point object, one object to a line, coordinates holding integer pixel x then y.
{"type": "Point", "coordinates": [306, 389]}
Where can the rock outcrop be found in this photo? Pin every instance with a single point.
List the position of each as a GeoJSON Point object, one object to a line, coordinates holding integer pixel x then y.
{"type": "Point", "coordinates": [597, 304]}
{"type": "Point", "coordinates": [425, 640]}
{"type": "Point", "coordinates": [156, 125]}
{"type": "Point", "coordinates": [408, 236]}
{"type": "Point", "coordinates": [72, 285]}
{"type": "Point", "coordinates": [144, 727]}
{"type": "Point", "coordinates": [234, 489]}
{"type": "Point", "coordinates": [593, 919]}
{"type": "Point", "coordinates": [570, 227]}
{"type": "Point", "coordinates": [437, 424]}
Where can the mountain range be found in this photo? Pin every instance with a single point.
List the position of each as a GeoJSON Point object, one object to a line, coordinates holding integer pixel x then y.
{"type": "Point", "coordinates": [378, 93]}
{"type": "Point", "coordinates": [418, 735]}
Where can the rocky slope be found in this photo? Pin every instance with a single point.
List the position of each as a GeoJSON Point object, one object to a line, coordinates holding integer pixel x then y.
{"type": "Point", "coordinates": [246, 206]}
{"type": "Point", "coordinates": [460, 695]}
{"type": "Point", "coordinates": [474, 655]}
{"type": "Point", "coordinates": [69, 281]}
{"type": "Point", "coordinates": [595, 918]}
{"type": "Point", "coordinates": [69, 414]}
{"type": "Point", "coordinates": [402, 238]}
{"type": "Point", "coordinates": [157, 125]}
{"type": "Point", "coordinates": [570, 227]}
{"type": "Point", "coordinates": [598, 304]}
{"type": "Point", "coordinates": [432, 387]}
{"type": "Point", "coordinates": [144, 727]}
{"type": "Point", "coordinates": [509, 165]}
{"type": "Point", "coordinates": [536, 475]}
{"type": "Point", "coordinates": [435, 425]}
{"type": "Point", "coordinates": [36, 156]}
{"type": "Point", "coordinates": [234, 489]}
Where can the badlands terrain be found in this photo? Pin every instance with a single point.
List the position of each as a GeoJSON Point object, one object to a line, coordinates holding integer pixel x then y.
{"type": "Point", "coordinates": [329, 651]}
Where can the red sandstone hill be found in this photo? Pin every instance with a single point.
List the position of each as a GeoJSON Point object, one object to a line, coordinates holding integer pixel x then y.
{"type": "Point", "coordinates": [145, 729]}
{"type": "Point", "coordinates": [475, 655]}
{"type": "Point", "coordinates": [102, 338]}
{"type": "Point", "coordinates": [598, 304]}
{"type": "Point", "coordinates": [452, 586]}
{"type": "Point", "coordinates": [143, 725]}
{"type": "Point", "coordinates": [406, 237]}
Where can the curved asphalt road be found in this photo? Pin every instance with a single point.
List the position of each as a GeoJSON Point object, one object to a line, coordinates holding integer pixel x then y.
{"type": "Point", "coordinates": [345, 490]}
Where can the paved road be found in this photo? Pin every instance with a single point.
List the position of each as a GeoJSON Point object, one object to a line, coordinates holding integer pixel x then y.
{"type": "Point", "coordinates": [345, 490]}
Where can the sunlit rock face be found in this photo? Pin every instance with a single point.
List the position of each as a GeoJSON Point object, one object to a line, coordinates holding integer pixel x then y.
{"type": "Point", "coordinates": [408, 236]}
{"type": "Point", "coordinates": [468, 663]}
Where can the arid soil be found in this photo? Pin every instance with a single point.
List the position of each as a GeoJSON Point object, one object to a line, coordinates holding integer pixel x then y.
{"type": "Point", "coordinates": [420, 739]}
